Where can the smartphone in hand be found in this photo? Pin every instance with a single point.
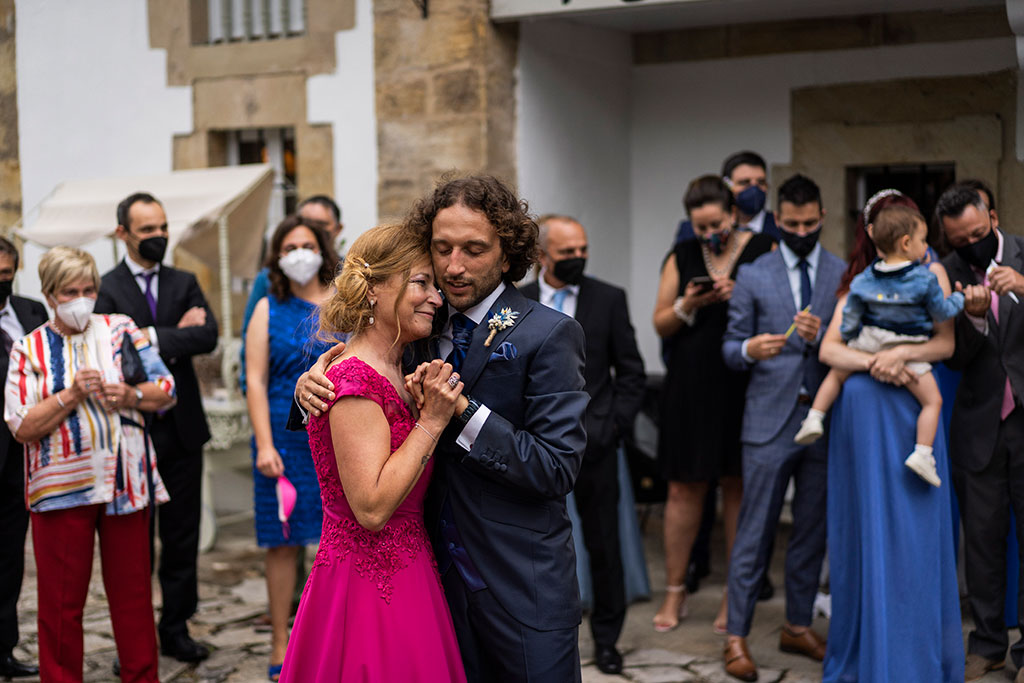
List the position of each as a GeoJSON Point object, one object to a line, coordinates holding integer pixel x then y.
{"type": "Point", "coordinates": [704, 282]}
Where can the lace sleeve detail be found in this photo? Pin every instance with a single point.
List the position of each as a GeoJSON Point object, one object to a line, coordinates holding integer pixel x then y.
{"type": "Point", "coordinates": [353, 377]}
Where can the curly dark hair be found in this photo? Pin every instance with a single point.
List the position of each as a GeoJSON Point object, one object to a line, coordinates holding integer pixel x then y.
{"type": "Point", "coordinates": [508, 214]}
{"type": "Point", "coordinates": [278, 285]}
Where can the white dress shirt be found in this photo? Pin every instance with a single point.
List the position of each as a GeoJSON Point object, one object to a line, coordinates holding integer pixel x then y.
{"type": "Point", "coordinates": [756, 223]}
{"type": "Point", "coordinates": [10, 323]}
{"type": "Point", "coordinates": [467, 437]}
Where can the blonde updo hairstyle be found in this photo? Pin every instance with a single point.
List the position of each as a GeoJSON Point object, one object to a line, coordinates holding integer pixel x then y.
{"type": "Point", "coordinates": [376, 256]}
{"type": "Point", "coordinates": [61, 266]}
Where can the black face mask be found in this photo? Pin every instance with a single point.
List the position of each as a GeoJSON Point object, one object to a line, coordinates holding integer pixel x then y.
{"type": "Point", "coordinates": [153, 248]}
{"type": "Point", "coordinates": [981, 253]}
{"type": "Point", "coordinates": [801, 245]}
{"type": "Point", "coordinates": [6, 287]}
{"type": "Point", "coordinates": [570, 270]}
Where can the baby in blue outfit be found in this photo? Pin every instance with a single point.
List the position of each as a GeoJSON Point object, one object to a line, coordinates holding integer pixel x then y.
{"type": "Point", "coordinates": [894, 301]}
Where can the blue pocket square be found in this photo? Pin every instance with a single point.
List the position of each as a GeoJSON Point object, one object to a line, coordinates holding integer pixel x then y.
{"type": "Point", "coordinates": [506, 351]}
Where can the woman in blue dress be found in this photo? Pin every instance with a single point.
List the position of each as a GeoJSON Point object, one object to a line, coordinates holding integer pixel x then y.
{"type": "Point", "coordinates": [895, 603]}
{"type": "Point", "coordinates": [280, 344]}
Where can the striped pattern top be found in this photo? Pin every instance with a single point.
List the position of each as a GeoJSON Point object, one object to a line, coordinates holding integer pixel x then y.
{"type": "Point", "coordinates": [92, 456]}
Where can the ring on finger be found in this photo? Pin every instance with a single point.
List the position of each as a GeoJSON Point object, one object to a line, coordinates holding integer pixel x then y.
{"type": "Point", "coordinates": [453, 381]}
{"type": "Point", "coordinates": [309, 397]}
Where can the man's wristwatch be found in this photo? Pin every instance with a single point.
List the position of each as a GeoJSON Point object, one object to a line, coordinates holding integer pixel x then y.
{"type": "Point", "coordinates": [468, 413]}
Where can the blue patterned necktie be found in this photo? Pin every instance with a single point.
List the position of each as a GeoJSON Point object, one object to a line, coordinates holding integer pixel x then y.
{"type": "Point", "coordinates": [462, 334]}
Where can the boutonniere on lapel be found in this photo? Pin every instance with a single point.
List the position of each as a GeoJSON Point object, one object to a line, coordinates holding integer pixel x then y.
{"type": "Point", "coordinates": [502, 320]}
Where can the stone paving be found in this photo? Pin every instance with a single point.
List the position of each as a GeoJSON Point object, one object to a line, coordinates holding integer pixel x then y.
{"type": "Point", "coordinates": [232, 595]}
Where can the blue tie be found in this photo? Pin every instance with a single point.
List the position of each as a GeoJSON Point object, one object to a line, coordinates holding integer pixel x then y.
{"type": "Point", "coordinates": [805, 284]}
{"type": "Point", "coordinates": [558, 299]}
{"type": "Point", "coordinates": [462, 334]}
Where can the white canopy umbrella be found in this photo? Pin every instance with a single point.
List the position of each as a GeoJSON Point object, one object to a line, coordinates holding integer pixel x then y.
{"type": "Point", "coordinates": [196, 201]}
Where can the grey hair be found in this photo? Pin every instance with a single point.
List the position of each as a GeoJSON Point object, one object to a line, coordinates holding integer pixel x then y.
{"type": "Point", "coordinates": [542, 225]}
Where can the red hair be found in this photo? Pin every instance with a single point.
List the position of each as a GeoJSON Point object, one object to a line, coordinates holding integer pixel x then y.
{"type": "Point", "coordinates": [864, 252]}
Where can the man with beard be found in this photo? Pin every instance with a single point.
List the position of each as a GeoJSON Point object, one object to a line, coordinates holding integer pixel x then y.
{"type": "Point", "coordinates": [18, 316]}
{"type": "Point", "coordinates": [167, 304]}
{"type": "Point", "coordinates": [496, 509]}
{"type": "Point", "coordinates": [794, 288]}
{"type": "Point", "coordinates": [615, 380]}
{"type": "Point", "coordinates": [986, 433]}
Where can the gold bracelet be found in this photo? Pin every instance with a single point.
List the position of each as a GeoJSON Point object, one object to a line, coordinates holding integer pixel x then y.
{"type": "Point", "coordinates": [426, 431]}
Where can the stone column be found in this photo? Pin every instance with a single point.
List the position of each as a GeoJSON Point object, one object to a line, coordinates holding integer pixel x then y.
{"type": "Point", "coordinates": [10, 164]}
{"type": "Point", "coordinates": [1015, 14]}
{"type": "Point", "coordinates": [445, 96]}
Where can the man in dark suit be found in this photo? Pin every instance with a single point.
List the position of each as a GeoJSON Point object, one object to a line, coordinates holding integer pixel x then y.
{"type": "Point", "coordinates": [168, 305]}
{"type": "Point", "coordinates": [615, 380]}
{"type": "Point", "coordinates": [496, 507]}
{"type": "Point", "coordinates": [18, 316]}
{"type": "Point", "coordinates": [986, 434]}
{"type": "Point", "coordinates": [793, 285]}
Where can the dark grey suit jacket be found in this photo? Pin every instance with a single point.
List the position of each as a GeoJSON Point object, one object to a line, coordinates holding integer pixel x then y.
{"type": "Point", "coordinates": [614, 371]}
{"type": "Point", "coordinates": [985, 361]}
{"type": "Point", "coordinates": [508, 493]}
{"type": "Point", "coordinates": [178, 291]}
{"type": "Point", "coordinates": [31, 314]}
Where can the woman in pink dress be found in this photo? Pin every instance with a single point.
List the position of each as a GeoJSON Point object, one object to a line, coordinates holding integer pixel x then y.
{"type": "Point", "coordinates": [373, 608]}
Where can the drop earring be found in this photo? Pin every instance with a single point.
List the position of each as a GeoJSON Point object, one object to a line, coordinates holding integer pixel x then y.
{"type": "Point", "coordinates": [373, 302]}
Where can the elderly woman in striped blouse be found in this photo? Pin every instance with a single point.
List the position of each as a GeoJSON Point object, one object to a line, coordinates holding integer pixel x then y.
{"type": "Point", "coordinates": [75, 389]}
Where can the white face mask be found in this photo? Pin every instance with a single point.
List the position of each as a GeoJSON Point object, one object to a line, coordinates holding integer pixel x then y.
{"type": "Point", "coordinates": [75, 313]}
{"type": "Point", "coordinates": [300, 265]}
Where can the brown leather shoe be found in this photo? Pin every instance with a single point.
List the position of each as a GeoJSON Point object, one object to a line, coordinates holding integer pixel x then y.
{"type": "Point", "coordinates": [808, 643]}
{"type": "Point", "coordinates": [738, 662]}
{"type": "Point", "coordinates": [977, 666]}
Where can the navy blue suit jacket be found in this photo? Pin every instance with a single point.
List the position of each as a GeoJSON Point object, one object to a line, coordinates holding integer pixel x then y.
{"type": "Point", "coordinates": [507, 494]}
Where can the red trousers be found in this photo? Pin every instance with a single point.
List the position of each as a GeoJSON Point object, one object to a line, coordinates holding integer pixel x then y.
{"type": "Point", "coordinates": [63, 542]}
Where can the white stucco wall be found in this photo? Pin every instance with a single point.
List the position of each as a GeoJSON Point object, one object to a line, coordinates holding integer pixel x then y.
{"type": "Point", "coordinates": [93, 101]}
{"type": "Point", "coordinates": [345, 99]}
{"type": "Point", "coordinates": [687, 117]}
{"type": "Point", "coordinates": [682, 120]}
{"type": "Point", "coordinates": [573, 134]}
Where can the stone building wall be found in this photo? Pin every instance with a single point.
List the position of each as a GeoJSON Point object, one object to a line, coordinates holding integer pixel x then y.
{"type": "Point", "coordinates": [10, 166]}
{"type": "Point", "coordinates": [445, 96]}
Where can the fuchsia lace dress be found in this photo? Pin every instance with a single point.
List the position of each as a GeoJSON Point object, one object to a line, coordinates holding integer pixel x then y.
{"type": "Point", "coordinates": [373, 608]}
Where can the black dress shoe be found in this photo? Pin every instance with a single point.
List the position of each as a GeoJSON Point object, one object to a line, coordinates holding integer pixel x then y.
{"type": "Point", "coordinates": [183, 648]}
{"type": "Point", "coordinates": [608, 659]}
{"type": "Point", "coordinates": [12, 668]}
{"type": "Point", "coordinates": [767, 589]}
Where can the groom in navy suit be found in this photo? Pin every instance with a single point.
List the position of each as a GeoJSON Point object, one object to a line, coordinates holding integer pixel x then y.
{"type": "Point", "coordinates": [496, 505]}
{"type": "Point", "coordinates": [795, 285]}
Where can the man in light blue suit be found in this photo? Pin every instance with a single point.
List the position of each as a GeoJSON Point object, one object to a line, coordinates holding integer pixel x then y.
{"type": "Point", "coordinates": [780, 307]}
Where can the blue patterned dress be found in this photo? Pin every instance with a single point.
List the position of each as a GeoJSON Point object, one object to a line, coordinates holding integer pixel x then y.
{"type": "Point", "coordinates": [292, 326]}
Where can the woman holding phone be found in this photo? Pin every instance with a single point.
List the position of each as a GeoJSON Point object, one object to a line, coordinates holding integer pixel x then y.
{"type": "Point", "coordinates": [702, 400]}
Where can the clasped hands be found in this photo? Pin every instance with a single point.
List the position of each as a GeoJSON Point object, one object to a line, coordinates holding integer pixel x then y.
{"type": "Point", "coordinates": [428, 386]}
{"type": "Point", "coordinates": [111, 395]}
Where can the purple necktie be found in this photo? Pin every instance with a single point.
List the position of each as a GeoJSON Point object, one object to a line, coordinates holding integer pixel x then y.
{"type": "Point", "coordinates": [150, 299]}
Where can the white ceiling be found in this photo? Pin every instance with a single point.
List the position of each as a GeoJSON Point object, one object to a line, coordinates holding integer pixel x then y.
{"type": "Point", "coordinates": [660, 15]}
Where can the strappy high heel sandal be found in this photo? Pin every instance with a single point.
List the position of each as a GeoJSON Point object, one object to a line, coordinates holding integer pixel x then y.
{"type": "Point", "coordinates": [661, 627]}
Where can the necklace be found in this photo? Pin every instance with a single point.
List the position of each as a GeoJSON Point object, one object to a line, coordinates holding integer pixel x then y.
{"type": "Point", "coordinates": [730, 258]}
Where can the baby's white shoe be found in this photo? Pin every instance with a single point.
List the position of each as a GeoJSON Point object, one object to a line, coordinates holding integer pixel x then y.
{"type": "Point", "coordinates": [923, 463]}
{"type": "Point", "coordinates": [811, 429]}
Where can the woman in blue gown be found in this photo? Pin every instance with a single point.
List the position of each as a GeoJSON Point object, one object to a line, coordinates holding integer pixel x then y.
{"type": "Point", "coordinates": [281, 343]}
{"type": "Point", "coordinates": [895, 602]}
